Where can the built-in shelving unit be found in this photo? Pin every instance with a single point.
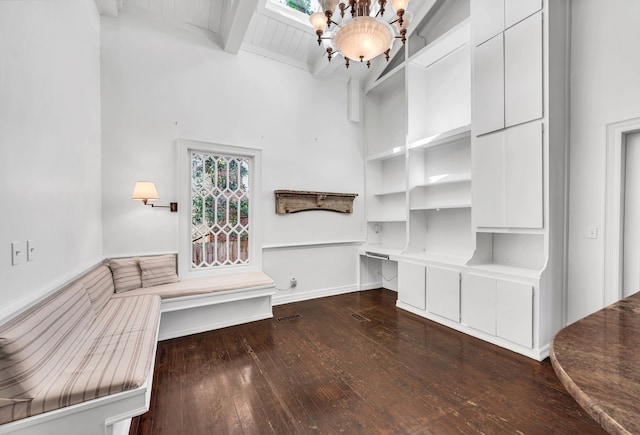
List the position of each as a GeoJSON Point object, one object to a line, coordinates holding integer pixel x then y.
{"type": "Point", "coordinates": [459, 202]}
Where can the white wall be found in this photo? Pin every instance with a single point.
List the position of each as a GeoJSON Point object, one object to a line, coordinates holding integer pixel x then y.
{"type": "Point", "coordinates": [49, 144]}
{"type": "Point", "coordinates": [161, 83]}
{"type": "Point", "coordinates": [605, 88]}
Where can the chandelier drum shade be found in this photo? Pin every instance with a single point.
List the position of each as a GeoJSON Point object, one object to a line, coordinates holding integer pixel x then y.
{"type": "Point", "coordinates": [364, 35]}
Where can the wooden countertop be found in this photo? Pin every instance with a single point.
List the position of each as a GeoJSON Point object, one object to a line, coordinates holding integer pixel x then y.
{"type": "Point", "coordinates": [598, 361]}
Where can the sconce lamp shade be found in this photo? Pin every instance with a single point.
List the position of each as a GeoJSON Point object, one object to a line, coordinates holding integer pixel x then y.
{"type": "Point", "coordinates": [145, 191]}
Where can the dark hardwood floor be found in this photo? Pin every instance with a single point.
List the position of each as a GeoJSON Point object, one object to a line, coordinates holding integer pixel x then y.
{"type": "Point", "coordinates": [382, 371]}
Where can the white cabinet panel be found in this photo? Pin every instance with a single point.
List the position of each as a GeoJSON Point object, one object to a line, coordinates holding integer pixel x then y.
{"type": "Point", "coordinates": [443, 292]}
{"type": "Point", "coordinates": [411, 284]}
{"type": "Point", "coordinates": [488, 19]}
{"type": "Point", "coordinates": [488, 185]}
{"type": "Point", "coordinates": [514, 312]}
{"type": "Point", "coordinates": [523, 176]}
{"type": "Point", "coordinates": [523, 71]}
{"type": "Point", "coordinates": [488, 86]}
{"type": "Point", "coordinates": [518, 10]}
{"type": "Point", "coordinates": [479, 303]}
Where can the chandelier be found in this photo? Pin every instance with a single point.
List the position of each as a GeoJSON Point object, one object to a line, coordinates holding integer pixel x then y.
{"type": "Point", "coordinates": [363, 36]}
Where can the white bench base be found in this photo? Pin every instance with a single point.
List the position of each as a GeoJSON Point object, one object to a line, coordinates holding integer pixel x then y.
{"type": "Point", "coordinates": [192, 314]}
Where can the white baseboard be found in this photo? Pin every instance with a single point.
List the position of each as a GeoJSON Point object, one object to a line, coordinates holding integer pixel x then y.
{"type": "Point", "coordinates": [537, 354]}
{"type": "Point", "coordinates": [279, 299]}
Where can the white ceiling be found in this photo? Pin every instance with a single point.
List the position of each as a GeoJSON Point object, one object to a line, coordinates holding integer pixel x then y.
{"type": "Point", "coordinates": [257, 26]}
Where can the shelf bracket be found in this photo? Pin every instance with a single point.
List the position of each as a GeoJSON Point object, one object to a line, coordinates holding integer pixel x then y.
{"type": "Point", "coordinates": [293, 201]}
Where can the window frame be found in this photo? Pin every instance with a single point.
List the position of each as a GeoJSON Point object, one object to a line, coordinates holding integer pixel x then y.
{"type": "Point", "coordinates": [185, 147]}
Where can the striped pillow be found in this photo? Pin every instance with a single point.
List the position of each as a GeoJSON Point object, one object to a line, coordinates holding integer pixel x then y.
{"type": "Point", "coordinates": [126, 274]}
{"type": "Point", "coordinates": [158, 270]}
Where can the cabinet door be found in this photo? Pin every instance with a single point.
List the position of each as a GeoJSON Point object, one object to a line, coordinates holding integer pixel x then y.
{"type": "Point", "coordinates": [523, 71]}
{"type": "Point", "coordinates": [514, 312]}
{"type": "Point", "coordinates": [488, 186]}
{"type": "Point", "coordinates": [411, 284]}
{"type": "Point", "coordinates": [487, 19]}
{"type": "Point", "coordinates": [488, 86]}
{"type": "Point", "coordinates": [443, 292]}
{"type": "Point", "coordinates": [479, 303]}
{"type": "Point", "coordinates": [518, 10]}
{"type": "Point", "coordinates": [523, 176]}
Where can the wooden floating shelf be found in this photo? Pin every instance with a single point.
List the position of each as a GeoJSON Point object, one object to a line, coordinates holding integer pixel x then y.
{"type": "Point", "coordinates": [293, 201]}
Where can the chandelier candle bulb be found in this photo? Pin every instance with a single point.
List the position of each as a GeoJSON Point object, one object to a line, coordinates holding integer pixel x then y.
{"type": "Point", "coordinates": [364, 36]}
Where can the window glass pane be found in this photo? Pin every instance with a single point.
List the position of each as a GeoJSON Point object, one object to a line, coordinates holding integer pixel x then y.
{"type": "Point", "coordinates": [220, 230]}
{"type": "Point", "coordinates": [304, 6]}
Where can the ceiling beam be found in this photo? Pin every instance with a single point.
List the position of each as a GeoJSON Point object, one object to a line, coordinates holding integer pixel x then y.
{"type": "Point", "coordinates": [236, 22]}
{"type": "Point", "coordinates": [109, 7]}
{"type": "Point", "coordinates": [322, 68]}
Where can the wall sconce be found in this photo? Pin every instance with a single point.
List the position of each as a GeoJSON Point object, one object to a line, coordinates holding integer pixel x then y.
{"type": "Point", "coordinates": [146, 191]}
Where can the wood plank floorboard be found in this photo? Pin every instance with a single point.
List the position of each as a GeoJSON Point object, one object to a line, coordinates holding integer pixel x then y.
{"type": "Point", "coordinates": [384, 371]}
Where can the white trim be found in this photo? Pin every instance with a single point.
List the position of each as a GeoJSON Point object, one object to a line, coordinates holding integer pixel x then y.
{"type": "Point", "coordinates": [295, 245]}
{"type": "Point", "coordinates": [185, 146]}
{"type": "Point", "coordinates": [614, 206]}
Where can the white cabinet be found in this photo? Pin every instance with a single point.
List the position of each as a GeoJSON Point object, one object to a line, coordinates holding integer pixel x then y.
{"type": "Point", "coordinates": [412, 284]}
{"type": "Point", "coordinates": [443, 292]}
{"type": "Point", "coordinates": [523, 71]}
{"type": "Point", "coordinates": [507, 77]}
{"type": "Point", "coordinates": [523, 176]}
{"type": "Point", "coordinates": [488, 19]}
{"type": "Point", "coordinates": [478, 303]}
{"type": "Point", "coordinates": [518, 10]}
{"type": "Point", "coordinates": [491, 17]}
{"type": "Point", "coordinates": [488, 181]}
{"type": "Point", "coordinates": [499, 307]}
{"type": "Point", "coordinates": [514, 312]}
{"type": "Point", "coordinates": [507, 174]}
{"type": "Point", "coordinates": [488, 85]}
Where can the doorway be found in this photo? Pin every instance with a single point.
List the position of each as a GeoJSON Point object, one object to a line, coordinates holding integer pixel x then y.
{"type": "Point", "coordinates": [631, 228]}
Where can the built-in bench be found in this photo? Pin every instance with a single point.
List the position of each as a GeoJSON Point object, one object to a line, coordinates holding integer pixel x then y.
{"type": "Point", "coordinates": [81, 361]}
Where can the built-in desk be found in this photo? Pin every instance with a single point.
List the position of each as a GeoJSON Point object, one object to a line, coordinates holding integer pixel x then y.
{"type": "Point", "coordinates": [598, 361]}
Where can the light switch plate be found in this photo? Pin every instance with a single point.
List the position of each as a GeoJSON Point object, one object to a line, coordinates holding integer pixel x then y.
{"type": "Point", "coordinates": [16, 253]}
{"type": "Point", "coordinates": [31, 250]}
{"type": "Point", "coordinates": [592, 232]}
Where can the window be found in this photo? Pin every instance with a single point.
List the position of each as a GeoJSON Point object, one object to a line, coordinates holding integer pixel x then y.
{"type": "Point", "coordinates": [305, 6]}
{"type": "Point", "coordinates": [220, 204]}
{"type": "Point", "coordinates": [218, 229]}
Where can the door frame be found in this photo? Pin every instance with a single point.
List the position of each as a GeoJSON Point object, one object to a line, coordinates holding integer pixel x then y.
{"type": "Point", "coordinates": [617, 133]}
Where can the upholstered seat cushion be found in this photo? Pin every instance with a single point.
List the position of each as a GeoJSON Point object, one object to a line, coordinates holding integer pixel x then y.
{"type": "Point", "coordinates": [114, 354]}
{"type": "Point", "coordinates": [208, 284]}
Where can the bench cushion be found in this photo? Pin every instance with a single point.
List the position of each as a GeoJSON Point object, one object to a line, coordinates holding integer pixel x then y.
{"type": "Point", "coordinates": [99, 285]}
{"type": "Point", "coordinates": [38, 344]}
{"type": "Point", "coordinates": [207, 284]}
{"type": "Point", "coordinates": [115, 355]}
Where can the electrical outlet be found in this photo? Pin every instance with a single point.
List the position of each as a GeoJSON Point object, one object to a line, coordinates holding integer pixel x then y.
{"type": "Point", "coordinates": [293, 283]}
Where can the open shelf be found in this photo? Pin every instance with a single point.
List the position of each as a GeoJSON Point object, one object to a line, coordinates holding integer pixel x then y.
{"type": "Point", "coordinates": [382, 219]}
{"type": "Point", "coordinates": [506, 270]}
{"type": "Point", "coordinates": [434, 180]}
{"type": "Point", "coordinates": [442, 139]}
{"type": "Point", "coordinates": [441, 205]}
{"type": "Point", "coordinates": [388, 154]}
{"type": "Point", "coordinates": [434, 258]}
